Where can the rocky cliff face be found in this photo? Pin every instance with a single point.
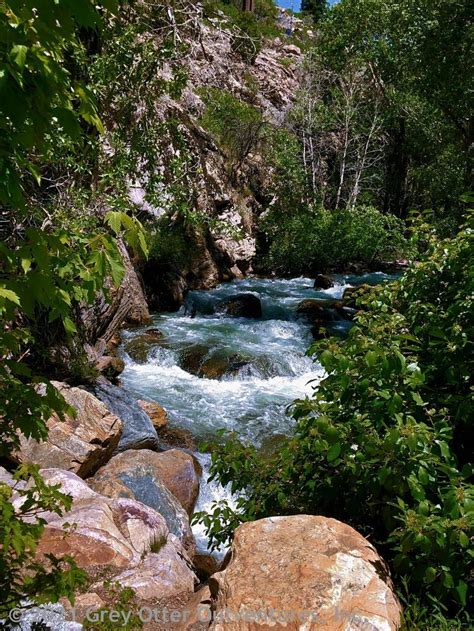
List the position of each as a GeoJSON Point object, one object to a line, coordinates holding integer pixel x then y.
{"type": "Point", "coordinates": [222, 245]}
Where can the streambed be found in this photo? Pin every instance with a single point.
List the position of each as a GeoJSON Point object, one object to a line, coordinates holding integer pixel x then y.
{"type": "Point", "coordinates": [259, 366]}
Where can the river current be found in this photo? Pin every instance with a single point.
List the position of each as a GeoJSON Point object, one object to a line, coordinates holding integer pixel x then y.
{"type": "Point", "coordinates": [266, 366]}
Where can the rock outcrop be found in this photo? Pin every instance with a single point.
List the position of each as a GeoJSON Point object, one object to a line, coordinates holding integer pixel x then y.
{"type": "Point", "coordinates": [125, 305]}
{"type": "Point", "coordinates": [80, 443]}
{"type": "Point", "coordinates": [303, 572]}
{"type": "Point", "coordinates": [152, 479]}
{"type": "Point", "coordinates": [129, 540]}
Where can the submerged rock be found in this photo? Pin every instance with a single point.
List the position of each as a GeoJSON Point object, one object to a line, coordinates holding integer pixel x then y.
{"type": "Point", "coordinates": [80, 443]}
{"type": "Point", "coordinates": [152, 479]}
{"type": "Point", "coordinates": [242, 306]}
{"type": "Point", "coordinates": [138, 431]}
{"type": "Point", "coordinates": [139, 346]}
{"type": "Point", "coordinates": [311, 566]}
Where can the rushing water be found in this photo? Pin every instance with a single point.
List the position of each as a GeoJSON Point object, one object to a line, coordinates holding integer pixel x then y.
{"type": "Point", "coordinates": [266, 361]}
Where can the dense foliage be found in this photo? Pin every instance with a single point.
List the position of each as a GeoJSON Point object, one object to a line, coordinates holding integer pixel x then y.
{"type": "Point", "coordinates": [46, 271]}
{"type": "Point", "coordinates": [304, 242]}
{"type": "Point", "coordinates": [383, 443]}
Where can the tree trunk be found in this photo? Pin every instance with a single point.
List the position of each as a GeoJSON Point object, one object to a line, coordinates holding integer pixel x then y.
{"type": "Point", "coordinates": [248, 5]}
{"type": "Point", "coordinates": [396, 198]}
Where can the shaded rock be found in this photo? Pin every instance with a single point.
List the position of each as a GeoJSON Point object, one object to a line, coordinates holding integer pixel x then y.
{"type": "Point", "coordinates": [82, 443]}
{"type": "Point", "coordinates": [158, 415]}
{"type": "Point", "coordinates": [242, 306]}
{"type": "Point", "coordinates": [110, 367]}
{"type": "Point", "coordinates": [205, 565]}
{"type": "Point", "coordinates": [323, 282]}
{"type": "Point", "coordinates": [320, 310]}
{"type": "Point", "coordinates": [124, 536]}
{"type": "Point", "coordinates": [124, 304]}
{"type": "Point", "coordinates": [138, 431]}
{"type": "Point", "coordinates": [48, 617]}
{"type": "Point", "coordinates": [139, 346]}
{"type": "Point", "coordinates": [177, 437]}
{"type": "Point", "coordinates": [141, 472]}
{"type": "Point", "coordinates": [306, 564]}
{"type": "Point", "coordinates": [197, 611]}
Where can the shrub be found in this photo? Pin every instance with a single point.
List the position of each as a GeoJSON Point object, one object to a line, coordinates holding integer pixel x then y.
{"type": "Point", "coordinates": [312, 240]}
{"type": "Point", "coordinates": [382, 444]}
{"type": "Point", "coordinates": [236, 126]}
{"type": "Point", "coordinates": [248, 28]}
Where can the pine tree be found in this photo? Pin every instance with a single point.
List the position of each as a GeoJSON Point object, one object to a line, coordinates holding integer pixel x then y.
{"type": "Point", "coordinates": [316, 8]}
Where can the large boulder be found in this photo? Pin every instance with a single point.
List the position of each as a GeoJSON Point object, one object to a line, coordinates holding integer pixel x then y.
{"type": "Point", "coordinates": [138, 431]}
{"type": "Point", "coordinates": [119, 535]}
{"type": "Point", "coordinates": [152, 479]}
{"type": "Point", "coordinates": [80, 443]}
{"type": "Point", "coordinates": [242, 306]}
{"type": "Point", "coordinates": [316, 572]}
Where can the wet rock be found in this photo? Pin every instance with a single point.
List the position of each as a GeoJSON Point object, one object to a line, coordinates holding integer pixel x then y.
{"type": "Point", "coordinates": [82, 443]}
{"type": "Point", "coordinates": [138, 431]}
{"type": "Point", "coordinates": [192, 358]}
{"type": "Point", "coordinates": [320, 310]}
{"type": "Point", "coordinates": [198, 361]}
{"type": "Point", "coordinates": [242, 306]}
{"type": "Point", "coordinates": [144, 473]}
{"type": "Point", "coordinates": [313, 564]}
{"type": "Point", "coordinates": [127, 538]}
{"type": "Point", "coordinates": [217, 367]}
{"type": "Point", "coordinates": [139, 346]}
{"type": "Point", "coordinates": [158, 415]}
{"type": "Point", "coordinates": [323, 282]}
{"type": "Point", "coordinates": [177, 437]}
{"type": "Point", "coordinates": [110, 367]}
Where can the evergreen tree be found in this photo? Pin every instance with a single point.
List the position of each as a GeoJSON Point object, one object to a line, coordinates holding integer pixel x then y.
{"type": "Point", "coordinates": [316, 8]}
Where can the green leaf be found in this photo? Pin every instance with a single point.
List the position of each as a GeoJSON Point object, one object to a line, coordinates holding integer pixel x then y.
{"type": "Point", "coordinates": [18, 55]}
{"type": "Point", "coordinates": [69, 325]}
{"type": "Point", "coordinates": [461, 590]}
{"type": "Point", "coordinates": [9, 295]}
{"type": "Point", "coordinates": [334, 452]}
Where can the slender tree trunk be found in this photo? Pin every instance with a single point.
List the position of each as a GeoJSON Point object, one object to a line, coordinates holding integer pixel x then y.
{"type": "Point", "coordinates": [397, 172]}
